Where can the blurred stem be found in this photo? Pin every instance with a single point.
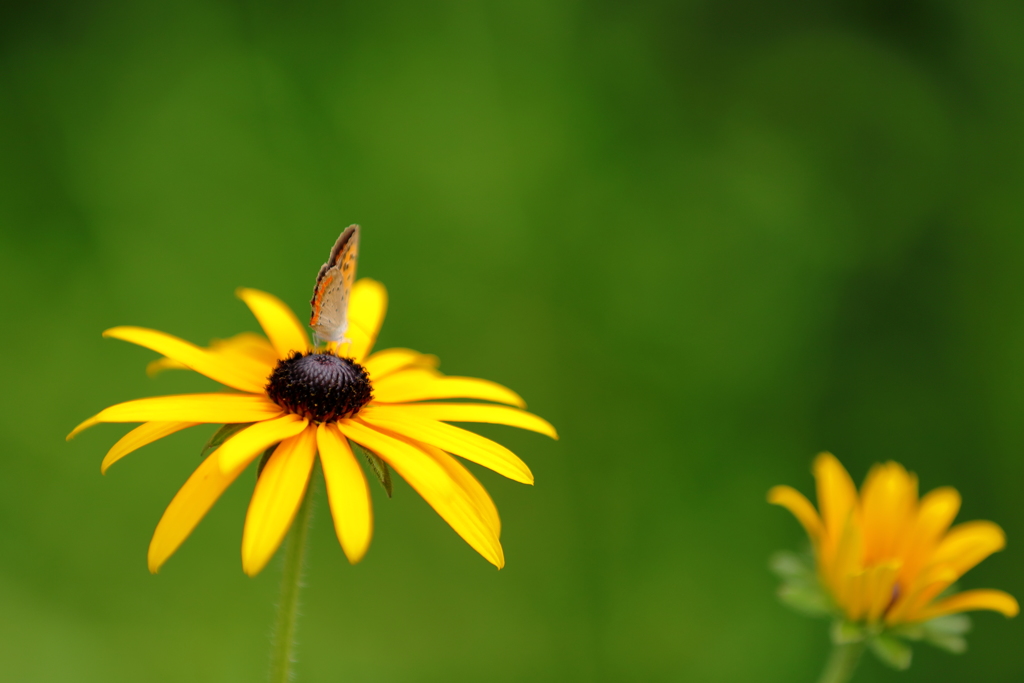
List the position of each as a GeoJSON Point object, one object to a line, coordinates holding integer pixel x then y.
{"type": "Point", "coordinates": [282, 653]}
{"type": "Point", "coordinates": [842, 663]}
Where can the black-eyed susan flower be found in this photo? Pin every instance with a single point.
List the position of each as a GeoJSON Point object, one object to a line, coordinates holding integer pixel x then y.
{"type": "Point", "coordinates": [310, 402]}
{"type": "Point", "coordinates": [886, 561]}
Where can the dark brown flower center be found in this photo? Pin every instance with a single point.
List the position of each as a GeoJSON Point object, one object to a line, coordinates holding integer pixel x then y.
{"type": "Point", "coordinates": [320, 387]}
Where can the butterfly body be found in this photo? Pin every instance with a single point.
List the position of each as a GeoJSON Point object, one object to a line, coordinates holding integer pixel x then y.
{"type": "Point", "coordinates": [333, 290]}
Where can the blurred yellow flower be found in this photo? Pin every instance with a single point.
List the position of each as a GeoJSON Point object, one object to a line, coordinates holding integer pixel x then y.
{"type": "Point", "coordinates": [309, 402]}
{"type": "Point", "coordinates": [886, 557]}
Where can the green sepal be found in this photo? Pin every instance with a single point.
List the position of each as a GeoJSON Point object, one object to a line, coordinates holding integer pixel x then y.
{"type": "Point", "coordinates": [379, 467]}
{"type": "Point", "coordinates": [950, 643]}
{"type": "Point", "coordinates": [947, 632]}
{"type": "Point", "coordinates": [789, 565]}
{"type": "Point", "coordinates": [845, 632]}
{"type": "Point", "coordinates": [264, 459]}
{"type": "Point", "coordinates": [891, 651]}
{"type": "Point", "coordinates": [908, 631]}
{"type": "Point", "coordinates": [222, 435]}
{"type": "Point", "coordinates": [800, 589]}
{"type": "Point", "coordinates": [950, 624]}
{"type": "Point", "coordinates": [805, 598]}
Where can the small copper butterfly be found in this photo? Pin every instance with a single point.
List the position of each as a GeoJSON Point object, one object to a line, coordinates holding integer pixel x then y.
{"type": "Point", "coordinates": [334, 289]}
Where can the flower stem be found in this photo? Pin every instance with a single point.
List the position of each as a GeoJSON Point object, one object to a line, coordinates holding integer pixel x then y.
{"type": "Point", "coordinates": [842, 663]}
{"type": "Point", "coordinates": [282, 652]}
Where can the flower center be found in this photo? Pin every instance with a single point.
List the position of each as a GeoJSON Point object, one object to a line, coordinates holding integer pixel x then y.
{"type": "Point", "coordinates": [320, 386]}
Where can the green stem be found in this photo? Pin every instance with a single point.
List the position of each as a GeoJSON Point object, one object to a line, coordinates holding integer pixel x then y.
{"type": "Point", "coordinates": [842, 663]}
{"type": "Point", "coordinates": [282, 652]}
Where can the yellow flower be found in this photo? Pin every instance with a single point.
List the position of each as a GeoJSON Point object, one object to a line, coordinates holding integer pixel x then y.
{"type": "Point", "coordinates": [310, 402]}
{"type": "Point", "coordinates": [884, 556]}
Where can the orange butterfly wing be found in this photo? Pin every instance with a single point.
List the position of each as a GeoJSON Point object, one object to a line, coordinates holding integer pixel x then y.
{"type": "Point", "coordinates": [333, 290]}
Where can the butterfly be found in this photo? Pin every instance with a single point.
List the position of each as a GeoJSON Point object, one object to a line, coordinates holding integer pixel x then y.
{"type": "Point", "coordinates": [333, 290]}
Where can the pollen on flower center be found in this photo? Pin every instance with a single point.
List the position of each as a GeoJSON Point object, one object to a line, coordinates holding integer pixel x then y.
{"type": "Point", "coordinates": [320, 387]}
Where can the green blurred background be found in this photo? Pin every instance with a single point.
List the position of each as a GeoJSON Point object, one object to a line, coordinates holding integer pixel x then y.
{"type": "Point", "coordinates": [705, 239]}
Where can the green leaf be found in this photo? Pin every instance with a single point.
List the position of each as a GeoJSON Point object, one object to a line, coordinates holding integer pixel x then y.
{"type": "Point", "coordinates": [264, 459]}
{"type": "Point", "coordinates": [379, 467]}
{"type": "Point", "coordinates": [844, 632]}
{"type": "Point", "coordinates": [222, 435]}
{"type": "Point", "coordinates": [891, 651]}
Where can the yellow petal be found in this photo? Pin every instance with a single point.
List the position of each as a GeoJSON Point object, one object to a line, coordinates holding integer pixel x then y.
{"type": "Point", "coordinates": [188, 507]}
{"type": "Point", "coordinates": [853, 595]}
{"type": "Point", "coordinates": [455, 440]}
{"type": "Point", "coordinates": [888, 508]}
{"type": "Point", "coordinates": [419, 384]}
{"type": "Point", "coordinates": [797, 503]}
{"type": "Point", "coordinates": [276, 499]}
{"type": "Point", "coordinates": [365, 316]}
{"type": "Point", "coordinates": [845, 565]}
{"type": "Point", "coordinates": [464, 479]}
{"type": "Point", "coordinates": [937, 510]}
{"type": "Point", "coordinates": [968, 544]}
{"type": "Point", "coordinates": [285, 331]}
{"type": "Point", "coordinates": [871, 592]}
{"type": "Point", "coordinates": [200, 408]}
{"type": "Point", "coordinates": [249, 345]}
{"type": "Point", "coordinates": [837, 499]}
{"type": "Point", "coordinates": [155, 367]}
{"type": "Point", "coordinates": [878, 589]}
{"type": "Point", "coordinates": [435, 484]}
{"type": "Point", "coordinates": [140, 436]}
{"type": "Point", "coordinates": [917, 595]}
{"type": "Point", "coordinates": [387, 361]}
{"type": "Point", "coordinates": [481, 412]}
{"type": "Point", "coordinates": [243, 447]}
{"type": "Point", "coordinates": [983, 598]}
{"type": "Point", "coordinates": [347, 493]}
{"type": "Point", "coordinates": [237, 372]}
